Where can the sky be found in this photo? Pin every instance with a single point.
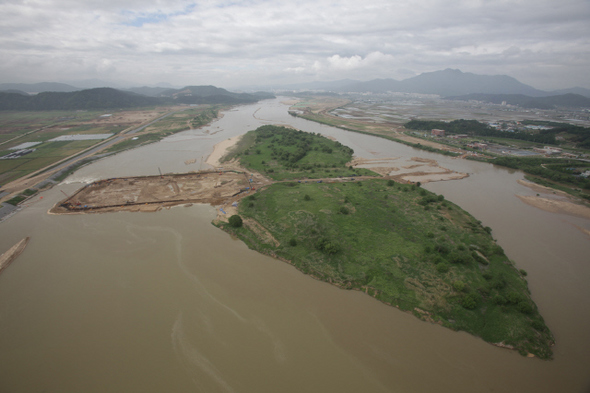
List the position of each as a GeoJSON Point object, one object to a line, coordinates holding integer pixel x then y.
{"type": "Point", "coordinates": [237, 43]}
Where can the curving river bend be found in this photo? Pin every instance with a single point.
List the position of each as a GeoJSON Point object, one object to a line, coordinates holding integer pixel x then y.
{"type": "Point", "coordinates": [166, 302]}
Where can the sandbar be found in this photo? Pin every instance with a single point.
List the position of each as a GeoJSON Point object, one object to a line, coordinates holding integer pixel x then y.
{"type": "Point", "coordinates": [220, 149]}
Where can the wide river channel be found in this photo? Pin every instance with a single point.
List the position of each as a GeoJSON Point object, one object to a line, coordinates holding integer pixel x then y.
{"type": "Point", "coordinates": [166, 302]}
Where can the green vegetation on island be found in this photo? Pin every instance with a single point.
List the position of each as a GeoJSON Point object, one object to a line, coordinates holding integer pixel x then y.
{"type": "Point", "coordinates": [399, 243]}
{"type": "Point", "coordinates": [283, 153]}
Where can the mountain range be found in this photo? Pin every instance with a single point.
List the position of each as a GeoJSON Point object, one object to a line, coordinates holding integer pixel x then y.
{"type": "Point", "coordinates": [109, 98]}
{"type": "Point", "coordinates": [445, 83]}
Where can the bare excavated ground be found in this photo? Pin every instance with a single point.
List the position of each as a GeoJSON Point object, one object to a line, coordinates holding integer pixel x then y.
{"type": "Point", "coordinates": [151, 193]}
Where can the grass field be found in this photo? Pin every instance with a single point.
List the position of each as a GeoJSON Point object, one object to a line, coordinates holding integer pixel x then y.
{"type": "Point", "coordinates": [397, 242]}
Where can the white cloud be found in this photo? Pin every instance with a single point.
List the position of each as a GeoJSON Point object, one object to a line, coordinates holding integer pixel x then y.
{"type": "Point", "coordinates": [218, 42]}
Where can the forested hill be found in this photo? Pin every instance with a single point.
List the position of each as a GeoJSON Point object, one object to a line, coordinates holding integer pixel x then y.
{"type": "Point", "coordinates": [108, 98]}
{"type": "Point", "coordinates": [212, 95]}
{"type": "Point", "coordinates": [101, 98]}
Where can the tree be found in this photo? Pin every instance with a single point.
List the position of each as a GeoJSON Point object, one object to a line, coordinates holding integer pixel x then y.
{"type": "Point", "coordinates": [235, 221]}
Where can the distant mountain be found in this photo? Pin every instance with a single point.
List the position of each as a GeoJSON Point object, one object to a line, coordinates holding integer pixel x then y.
{"type": "Point", "coordinates": [149, 91]}
{"type": "Point", "coordinates": [23, 93]}
{"type": "Point", "coordinates": [32, 88]}
{"type": "Point", "coordinates": [316, 85]}
{"type": "Point", "coordinates": [85, 84]}
{"type": "Point", "coordinates": [524, 101]}
{"type": "Point", "coordinates": [101, 98]}
{"type": "Point", "coordinates": [448, 83]}
{"type": "Point", "coordinates": [374, 86]}
{"type": "Point", "coordinates": [574, 90]}
{"type": "Point", "coordinates": [212, 95]}
{"type": "Point", "coordinates": [108, 98]}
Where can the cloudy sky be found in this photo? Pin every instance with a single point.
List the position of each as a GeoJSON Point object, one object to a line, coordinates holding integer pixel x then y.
{"type": "Point", "coordinates": [233, 43]}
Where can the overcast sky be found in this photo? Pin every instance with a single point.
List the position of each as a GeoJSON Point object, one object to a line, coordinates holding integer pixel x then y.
{"type": "Point", "coordinates": [544, 43]}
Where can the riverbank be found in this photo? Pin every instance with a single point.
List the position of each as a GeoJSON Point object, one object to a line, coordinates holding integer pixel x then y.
{"type": "Point", "coordinates": [564, 205]}
{"type": "Point", "coordinates": [220, 150]}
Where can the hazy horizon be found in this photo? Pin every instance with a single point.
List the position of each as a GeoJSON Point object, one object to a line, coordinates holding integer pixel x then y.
{"type": "Point", "coordinates": [259, 42]}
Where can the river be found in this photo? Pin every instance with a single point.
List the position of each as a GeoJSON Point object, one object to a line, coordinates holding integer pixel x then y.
{"type": "Point", "coordinates": [166, 302]}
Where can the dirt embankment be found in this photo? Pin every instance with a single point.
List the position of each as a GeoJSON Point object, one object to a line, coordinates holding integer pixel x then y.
{"type": "Point", "coordinates": [147, 193]}
{"type": "Point", "coordinates": [9, 256]}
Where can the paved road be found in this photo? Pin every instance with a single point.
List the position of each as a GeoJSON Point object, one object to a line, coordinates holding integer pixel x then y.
{"type": "Point", "coordinates": [6, 209]}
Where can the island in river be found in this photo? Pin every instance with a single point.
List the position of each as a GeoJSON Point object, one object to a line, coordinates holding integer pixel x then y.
{"type": "Point", "coordinates": [393, 240]}
{"type": "Point", "coordinates": [356, 229]}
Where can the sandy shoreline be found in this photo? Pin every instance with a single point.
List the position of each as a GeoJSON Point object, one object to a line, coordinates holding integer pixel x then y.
{"type": "Point", "coordinates": [220, 149]}
{"type": "Point", "coordinates": [560, 206]}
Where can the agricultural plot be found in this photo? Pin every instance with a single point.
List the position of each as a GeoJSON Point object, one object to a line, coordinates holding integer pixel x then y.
{"type": "Point", "coordinates": [54, 135]}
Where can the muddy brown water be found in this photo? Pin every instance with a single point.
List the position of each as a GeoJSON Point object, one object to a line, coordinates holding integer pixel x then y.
{"type": "Point", "coordinates": [154, 302]}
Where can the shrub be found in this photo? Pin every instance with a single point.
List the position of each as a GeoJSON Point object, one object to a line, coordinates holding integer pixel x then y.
{"type": "Point", "coordinates": [293, 242]}
{"type": "Point", "coordinates": [344, 210]}
{"type": "Point", "coordinates": [514, 298]}
{"type": "Point", "coordinates": [499, 282]}
{"type": "Point", "coordinates": [390, 183]}
{"type": "Point", "coordinates": [458, 257]}
{"type": "Point", "coordinates": [437, 259]}
{"type": "Point", "coordinates": [235, 221]}
{"type": "Point", "coordinates": [442, 267]}
{"type": "Point", "coordinates": [523, 272]}
{"type": "Point", "coordinates": [538, 325]}
{"type": "Point", "coordinates": [525, 307]}
{"type": "Point", "coordinates": [327, 246]}
{"type": "Point", "coordinates": [499, 299]}
{"type": "Point", "coordinates": [458, 285]}
{"type": "Point", "coordinates": [307, 197]}
{"type": "Point", "coordinates": [442, 248]}
{"type": "Point", "coordinates": [470, 301]}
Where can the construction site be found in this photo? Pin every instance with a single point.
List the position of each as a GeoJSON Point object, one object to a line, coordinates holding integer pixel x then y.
{"type": "Point", "coordinates": [152, 193]}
